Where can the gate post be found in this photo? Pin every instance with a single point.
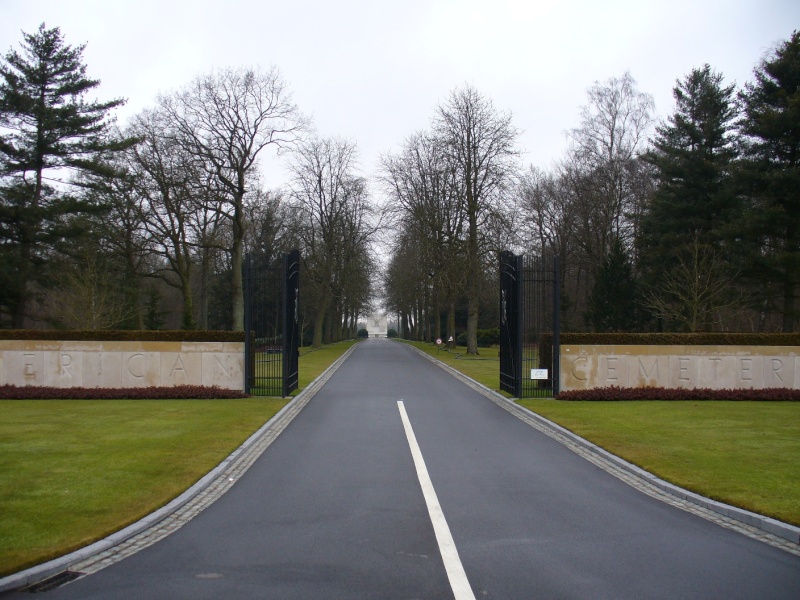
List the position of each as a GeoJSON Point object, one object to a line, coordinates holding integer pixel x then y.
{"type": "Point", "coordinates": [291, 326]}
{"type": "Point", "coordinates": [519, 319]}
{"type": "Point", "coordinates": [510, 324]}
{"type": "Point", "coordinates": [556, 328]}
{"type": "Point", "coordinates": [248, 341]}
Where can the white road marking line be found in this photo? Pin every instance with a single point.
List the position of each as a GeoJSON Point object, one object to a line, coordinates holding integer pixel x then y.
{"type": "Point", "coordinates": [447, 547]}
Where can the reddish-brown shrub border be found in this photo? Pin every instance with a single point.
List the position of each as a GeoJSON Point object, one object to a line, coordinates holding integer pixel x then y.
{"type": "Point", "coordinates": [179, 392]}
{"type": "Point", "coordinates": [654, 393]}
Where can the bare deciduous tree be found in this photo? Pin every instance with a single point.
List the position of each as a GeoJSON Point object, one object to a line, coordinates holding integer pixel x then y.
{"type": "Point", "coordinates": [89, 297]}
{"type": "Point", "coordinates": [480, 143]}
{"type": "Point", "coordinates": [695, 289]}
{"type": "Point", "coordinates": [164, 178]}
{"type": "Point", "coordinates": [428, 205]}
{"type": "Point", "coordinates": [335, 229]}
{"type": "Point", "coordinates": [225, 120]}
{"type": "Point", "coordinates": [602, 165]}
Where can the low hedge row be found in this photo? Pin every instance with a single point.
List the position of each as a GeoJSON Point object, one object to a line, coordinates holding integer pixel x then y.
{"type": "Point", "coordinates": [654, 393]}
{"type": "Point", "coordinates": [179, 392]}
{"type": "Point", "coordinates": [121, 335]}
{"type": "Point", "coordinates": [680, 339]}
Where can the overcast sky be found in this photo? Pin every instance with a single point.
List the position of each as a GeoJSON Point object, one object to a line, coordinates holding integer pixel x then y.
{"type": "Point", "coordinates": [374, 71]}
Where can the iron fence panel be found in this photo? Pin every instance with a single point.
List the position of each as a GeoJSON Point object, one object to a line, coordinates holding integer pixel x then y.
{"type": "Point", "coordinates": [529, 327]}
{"type": "Point", "coordinates": [272, 339]}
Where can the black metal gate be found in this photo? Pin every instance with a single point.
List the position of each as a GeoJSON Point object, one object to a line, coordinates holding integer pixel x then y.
{"type": "Point", "coordinates": [510, 324]}
{"type": "Point", "coordinates": [272, 296]}
{"type": "Point", "coordinates": [529, 325]}
{"type": "Point", "coordinates": [291, 323]}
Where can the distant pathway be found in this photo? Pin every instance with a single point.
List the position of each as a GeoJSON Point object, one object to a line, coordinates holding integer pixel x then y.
{"type": "Point", "coordinates": [397, 480]}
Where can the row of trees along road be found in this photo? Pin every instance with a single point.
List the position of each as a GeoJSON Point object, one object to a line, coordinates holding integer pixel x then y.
{"type": "Point", "coordinates": [110, 227]}
{"type": "Point", "coordinates": [687, 224]}
{"type": "Point", "coordinates": [690, 223]}
{"type": "Point", "coordinates": [447, 187]}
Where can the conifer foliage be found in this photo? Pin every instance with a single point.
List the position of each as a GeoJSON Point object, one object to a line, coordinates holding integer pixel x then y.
{"type": "Point", "coordinates": [50, 139]}
{"type": "Point", "coordinates": [692, 154]}
{"type": "Point", "coordinates": [771, 178]}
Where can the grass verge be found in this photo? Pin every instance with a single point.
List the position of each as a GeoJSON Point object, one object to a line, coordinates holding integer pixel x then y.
{"type": "Point", "coordinates": [742, 453]}
{"type": "Point", "coordinates": [313, 361]}
{"type": "Point", "coordinates": [746, 454]}
{"type": "Point", "coordinates": [483, 368]}
{"type": "Point", "coordinates": [75, 471]}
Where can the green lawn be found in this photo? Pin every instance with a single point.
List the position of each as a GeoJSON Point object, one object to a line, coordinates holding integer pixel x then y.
{"type": "Point", "coordinates": [74, 471]}
{"type": "Point", "coordinates": [314, 361]}
{"type": "Point", "coordinates": [483, 368]}
{"type": "Point", "coordinates": [742, 453]}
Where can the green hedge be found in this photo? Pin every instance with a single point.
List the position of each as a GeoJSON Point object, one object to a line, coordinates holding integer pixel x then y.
{"type": "Point", "coordinates": [121, 335]}
{"type": "Point", "coordinates": [681, 339]}
{"type": "Point", "coordinates": [652, 393]}
{"type": "Point", "coordinates": [663, 339]}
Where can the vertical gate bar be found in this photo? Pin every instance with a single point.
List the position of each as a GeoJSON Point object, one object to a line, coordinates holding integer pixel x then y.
{"type": "Point", "coordinates": [519, 316]}
{"type": "Point", "coordinates": [248, 343]}
{"type": "Point", "coordinates": [503, 320]}
{"type": "Point", "coordinates": [525, 323]}
{"type": "Point", "coordinates": [285, 333]}
{"type": "Point", "coordinates": [291, 330]}
{"type": "Point", "coordinates": [508, 358]}
{"type": "Point", "coordinates": [556, 327]}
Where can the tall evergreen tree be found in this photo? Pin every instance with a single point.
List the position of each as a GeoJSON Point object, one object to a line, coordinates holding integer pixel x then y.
{"type": "Point", "coordinates": [51, 136]}
{"type": "Point", "coordinates": [692, 156]}
{"type": "Point", "coordinates": [614, 299]}
{"type": "Point", "coordinates": [770, 177]}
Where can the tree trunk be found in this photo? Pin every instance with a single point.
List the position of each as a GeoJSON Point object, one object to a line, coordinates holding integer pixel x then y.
{"type": "Point", "coordinates": [419, 321]}
{"type": "Point", "coordinates": [472, 326]}
{"type": "Point", "coordinates": [237, 294]}
{"type": "Point", "coordinates": [187, 321]}
{"type": "Point", "coordinates": [437, 315]}
{"type": "Point", "coordinates": [204, 270]}
{"type": "Point", "coordinates": [451, 323]}
{"type": "Point", "coordinates": [319, 322]}
{"type": "Point", "coordinates": [327, 334]}
{"type": "Point", "coordinates": [473, 266]}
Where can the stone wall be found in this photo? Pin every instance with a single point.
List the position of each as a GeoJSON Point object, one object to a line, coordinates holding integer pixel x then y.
{"type": "Point", "coordinates": [122, 364]}
{"type": "Point", "coordinates": [715, 367]}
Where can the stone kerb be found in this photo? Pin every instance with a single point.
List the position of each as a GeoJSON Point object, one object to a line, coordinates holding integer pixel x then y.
{"type": "Point", "coordinates": [714, 367]}
{"type": "Point", "coordinates": [121, 364]}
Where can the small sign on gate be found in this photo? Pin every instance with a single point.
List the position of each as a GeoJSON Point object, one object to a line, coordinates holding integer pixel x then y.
{"type": "Point", "coordinates": [539, 374]}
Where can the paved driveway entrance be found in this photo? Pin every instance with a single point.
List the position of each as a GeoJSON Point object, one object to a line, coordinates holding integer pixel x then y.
{"type": "Point", "coordinates": [399, 481]}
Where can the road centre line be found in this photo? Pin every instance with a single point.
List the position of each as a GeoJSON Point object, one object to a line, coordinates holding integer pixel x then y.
{"type": "Point", "coordinates": [447, 547]}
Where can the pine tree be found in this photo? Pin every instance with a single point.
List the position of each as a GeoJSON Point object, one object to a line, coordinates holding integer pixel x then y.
{"type": "Point", "coordinates": [692, 158]}
{"type": "Point", "coordinates": [770, 177]}
{"type": "Point", "coordinates": [51, 138]}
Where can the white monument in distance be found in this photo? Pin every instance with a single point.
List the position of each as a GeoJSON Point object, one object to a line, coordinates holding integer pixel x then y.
{"type": "Point", "coordinates": [377, 325]}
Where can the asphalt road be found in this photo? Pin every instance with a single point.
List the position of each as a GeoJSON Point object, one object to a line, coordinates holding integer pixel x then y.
{"type": "Point", "coordinates": [334, 509]}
